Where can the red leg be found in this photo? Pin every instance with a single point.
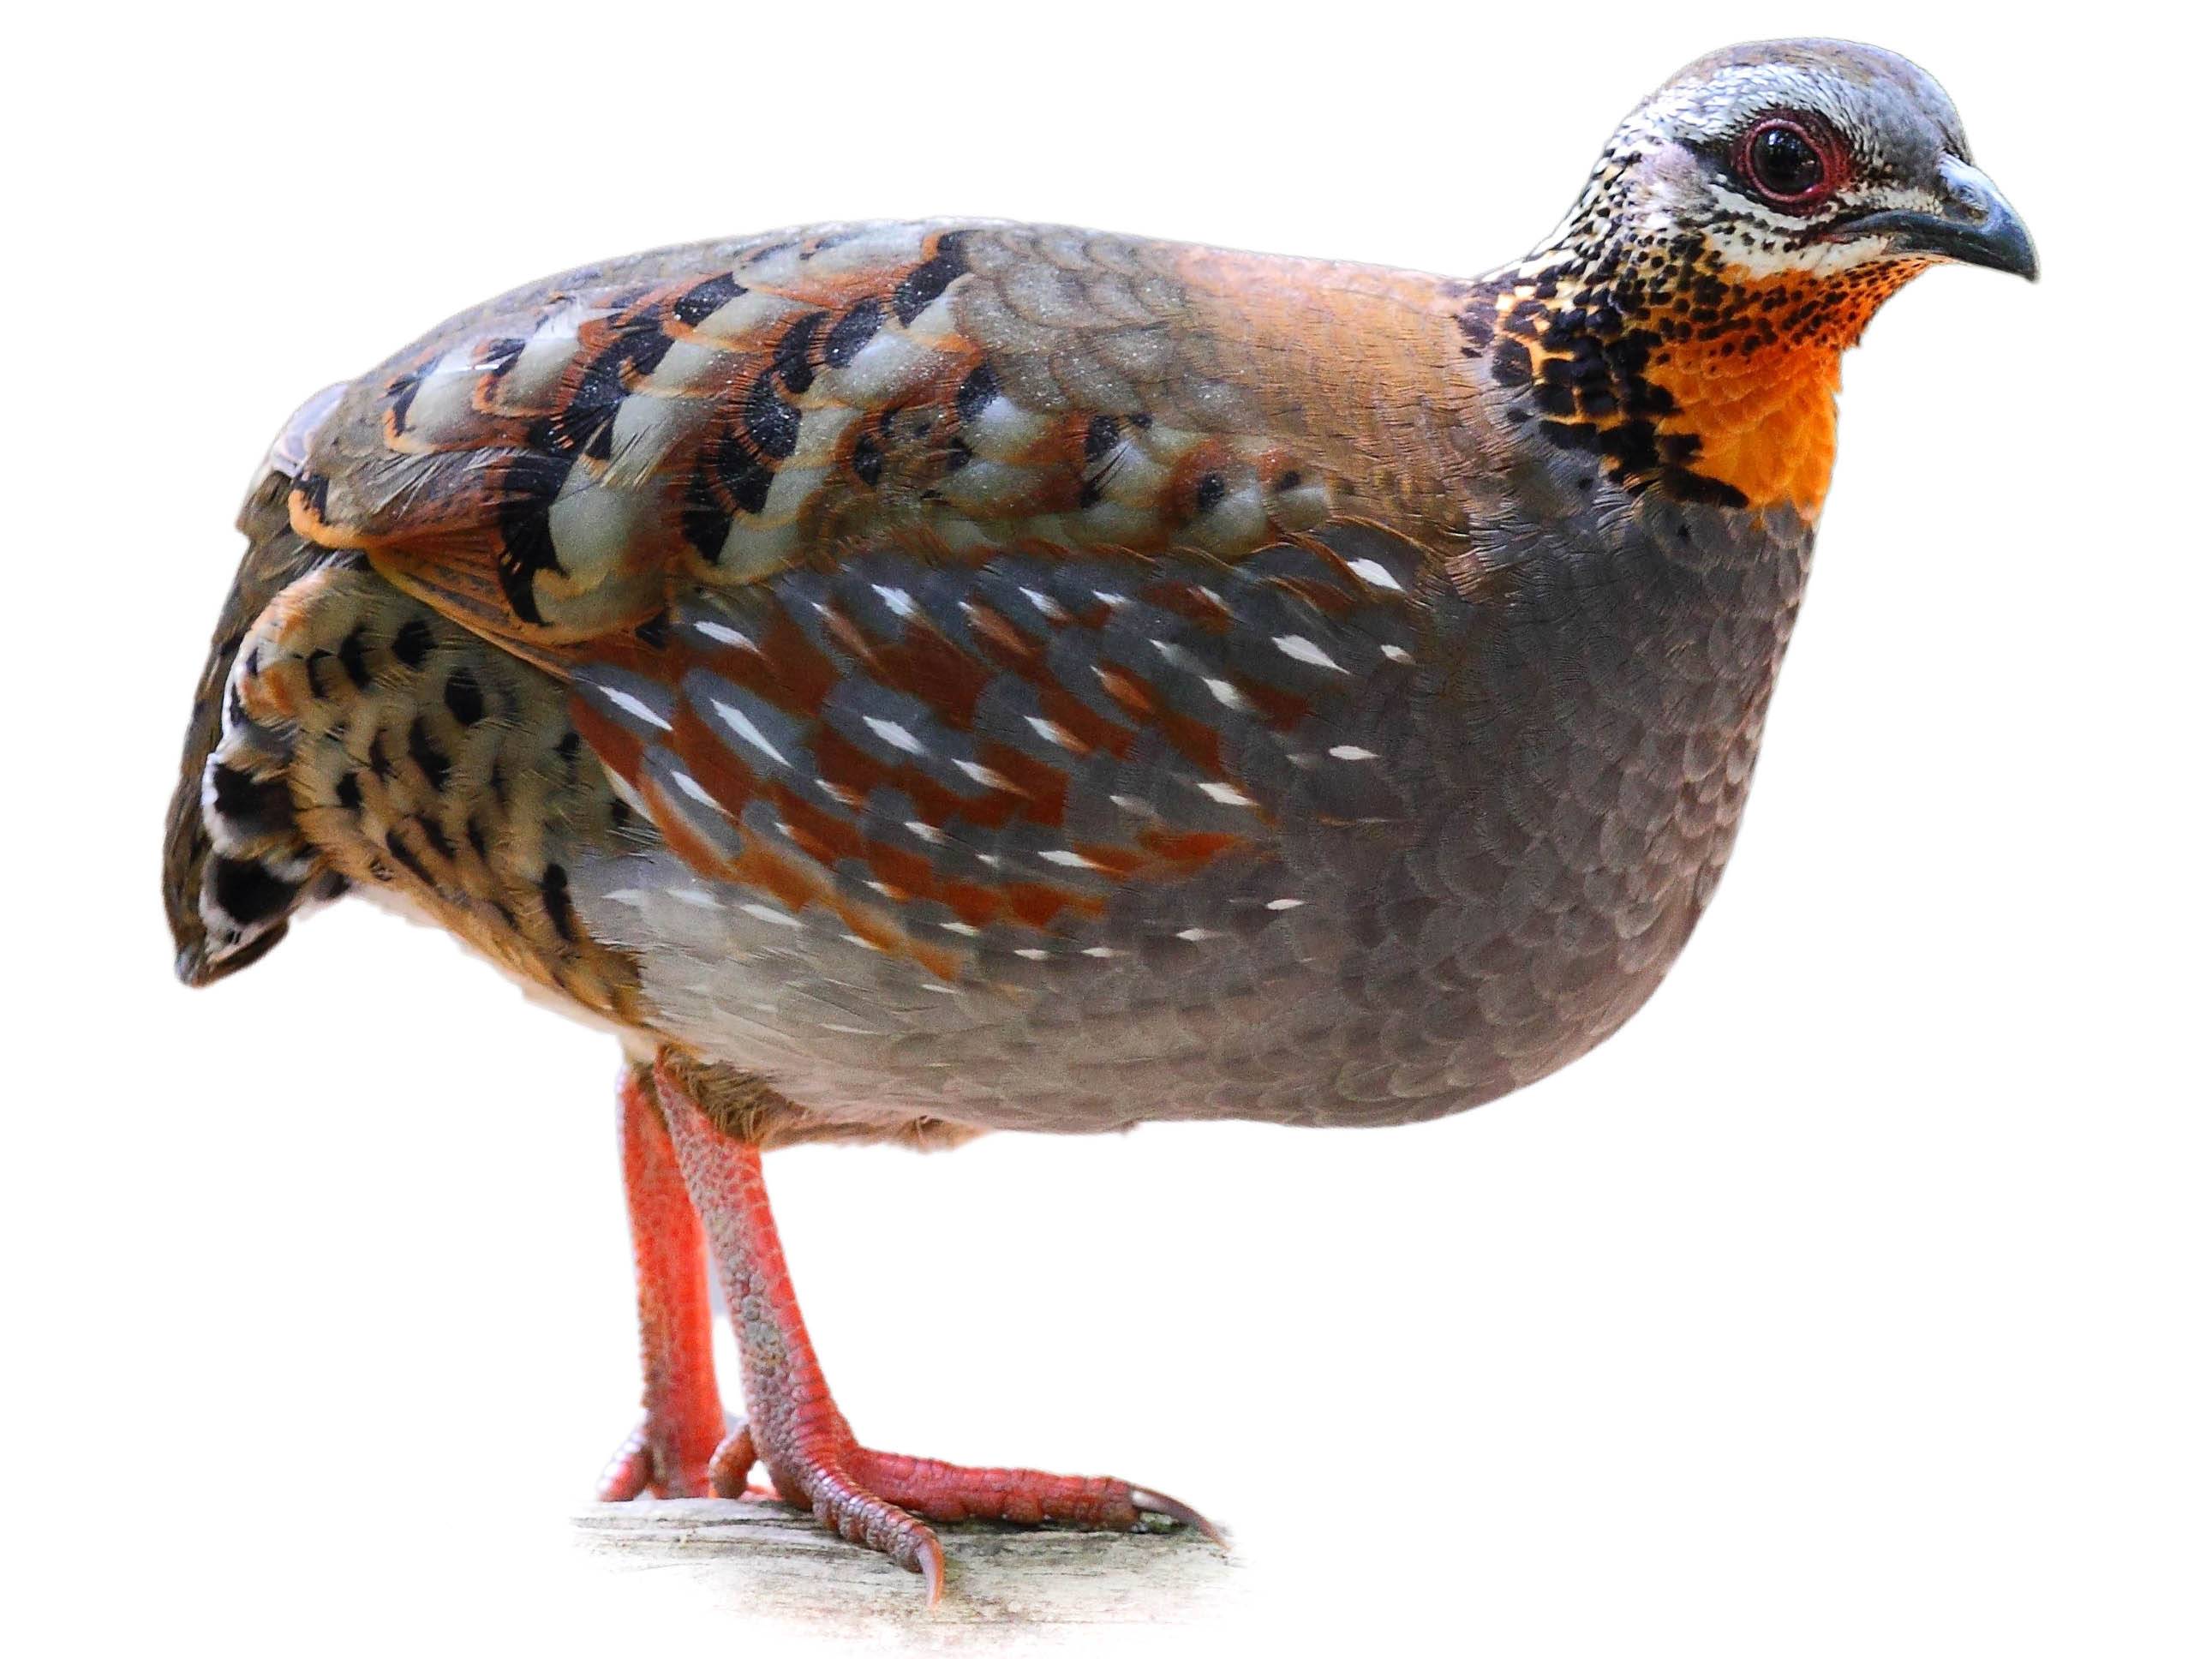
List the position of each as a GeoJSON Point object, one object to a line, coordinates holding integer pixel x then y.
{"type": "Point", "coordinates": [794, 1423]}
{"type": "Point", "coordinates": [669, 1453]}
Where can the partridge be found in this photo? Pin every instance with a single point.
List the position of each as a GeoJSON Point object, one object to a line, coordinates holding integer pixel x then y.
{"type": "Point", "coordinates": [915, 679]}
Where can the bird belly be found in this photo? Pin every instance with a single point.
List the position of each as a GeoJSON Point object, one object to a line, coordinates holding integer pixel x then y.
{"type": "Point", "coordinates": [1351, 982]}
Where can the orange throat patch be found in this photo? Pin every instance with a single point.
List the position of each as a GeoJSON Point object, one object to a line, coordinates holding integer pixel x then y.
{"type": "Point", "coordinates": [1763, 419]}
{"type": "Point", "coordinates": [1721, 389]}
{"type": "Point", "coordinates": [1762, 401]}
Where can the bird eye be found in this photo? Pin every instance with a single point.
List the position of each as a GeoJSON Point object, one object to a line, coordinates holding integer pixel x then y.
{"type": "Point", "coordinates": [1786, 163]}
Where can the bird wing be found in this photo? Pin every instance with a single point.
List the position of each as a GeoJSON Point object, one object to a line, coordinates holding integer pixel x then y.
{"type": "Point", "coordinates": [895, 547]}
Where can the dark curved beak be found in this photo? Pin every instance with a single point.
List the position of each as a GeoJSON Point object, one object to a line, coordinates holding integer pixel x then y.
{"type": "Point", "coordinates": [1976, 227]}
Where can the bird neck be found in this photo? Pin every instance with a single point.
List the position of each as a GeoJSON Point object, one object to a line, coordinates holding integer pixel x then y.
{"type": "Point", "coordinates": [1711, 382]}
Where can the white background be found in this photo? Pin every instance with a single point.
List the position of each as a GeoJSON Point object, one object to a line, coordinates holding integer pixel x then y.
{"type": "Point", "coordinates": [1852, 1301]}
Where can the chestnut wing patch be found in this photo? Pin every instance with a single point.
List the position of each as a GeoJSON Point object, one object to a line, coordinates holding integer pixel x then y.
{"type": "Point", "coordinates": [943, 755]}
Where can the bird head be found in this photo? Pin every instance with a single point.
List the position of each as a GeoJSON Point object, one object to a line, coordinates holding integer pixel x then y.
{"type": "Point", "coordinates": [1742, 226]}
{"type": "Point", "coordinates": [1816, 156]}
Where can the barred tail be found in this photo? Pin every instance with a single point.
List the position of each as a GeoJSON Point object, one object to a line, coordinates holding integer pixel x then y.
{"type": "Point", "coordinates": [234, 865]}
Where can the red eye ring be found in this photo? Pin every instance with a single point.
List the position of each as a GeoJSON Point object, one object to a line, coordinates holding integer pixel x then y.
{"type": "Point", "coordinates": [1792, 161]}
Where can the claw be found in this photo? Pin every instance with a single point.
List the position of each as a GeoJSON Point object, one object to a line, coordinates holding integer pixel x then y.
{"type": "Point", "coordinates": [1152, 1503]}
{"type": "Point", "coordinates": [929, 1562]}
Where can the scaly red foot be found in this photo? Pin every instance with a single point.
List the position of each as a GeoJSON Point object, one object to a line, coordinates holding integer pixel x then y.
{"type": "Point", "coordinates": [670, 1453]}
{"type": "Point", "coordinates": [869, 1496]}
